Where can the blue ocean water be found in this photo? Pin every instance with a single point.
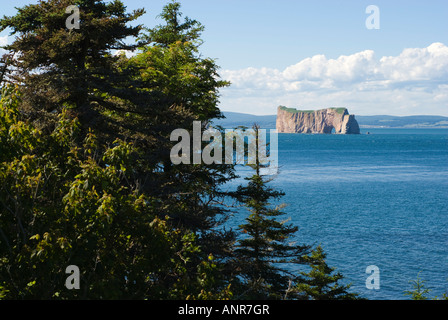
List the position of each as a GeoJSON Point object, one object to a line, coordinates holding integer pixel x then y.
{"type": "Point", "coordinates": [379, 199]}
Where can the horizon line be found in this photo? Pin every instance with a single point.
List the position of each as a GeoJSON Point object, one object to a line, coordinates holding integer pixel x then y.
{"type": "Point", "coordinates": [355, 114]}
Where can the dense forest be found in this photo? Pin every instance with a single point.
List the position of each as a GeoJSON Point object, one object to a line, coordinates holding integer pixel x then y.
{"type": "Point", "coordinates": [86, 178]}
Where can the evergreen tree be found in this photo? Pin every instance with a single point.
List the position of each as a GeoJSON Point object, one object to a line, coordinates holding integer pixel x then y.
{"type": "Point", "coordinates": [265, 246]}
{"type": "Point", "coordinates": [98, 190]}
{"type": "Point", "coordinates": [321, 283]}
{"type": "Point", "coordinates": [174, 30]}
{"type": "Point", "coordinates": [60, 206]}
{"type": "Point", "coordinates": [187, 84]}
{"type": "Point", "coordinates": [85, 171]}
{"type": "Point", "coordinates": [420, 291]}
{"type": "Point", "coordinates": [59, 68]}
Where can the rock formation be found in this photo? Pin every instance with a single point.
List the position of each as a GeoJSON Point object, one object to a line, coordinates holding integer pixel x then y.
{"type": "Point", "coordinates": [316, 121]}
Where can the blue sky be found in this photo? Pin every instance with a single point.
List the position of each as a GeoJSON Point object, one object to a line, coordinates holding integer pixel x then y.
{"type": "Point", "coordinates": [316, 54]}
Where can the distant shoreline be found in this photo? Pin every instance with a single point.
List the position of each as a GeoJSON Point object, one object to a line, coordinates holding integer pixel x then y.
{"type": "Point", "coordinates": [404, 127]}
{"type": "Point", "coordinates": [234, 119]}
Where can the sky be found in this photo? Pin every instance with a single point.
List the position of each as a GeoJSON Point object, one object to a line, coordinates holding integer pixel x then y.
{"type": "Point", "coordinates": [319, 54]}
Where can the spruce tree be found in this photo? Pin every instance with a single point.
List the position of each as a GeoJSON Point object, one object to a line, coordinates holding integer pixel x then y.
{"type": "Point", "coordinates": [265, 245]}
{"type": "Point", "coordinates": [321, 282]}
{"type": "Point", "coordinates": [188, 85]}
{"type": "Point", "coordinates": [420, 291]}
{"type": "Point", "coordinates": [60, 67]}
{"type": "Point", "coordinates": [174, 30]}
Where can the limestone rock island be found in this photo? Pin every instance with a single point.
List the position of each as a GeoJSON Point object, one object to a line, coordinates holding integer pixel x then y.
{"type": "Point", "coordinates": [331, 120]}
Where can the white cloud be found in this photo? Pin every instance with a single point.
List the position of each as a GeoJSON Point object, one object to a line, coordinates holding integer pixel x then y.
{"type": "Point", "coordinates": [413, 82]}
{"type": "Point", "coordinates": [127, 53]}
{"type": "Point", "coordinates": [344, 69]}
{"type": "Point", "coordinates": [429, 63]}
{"type": "Point", "coordinates": [3, 41]}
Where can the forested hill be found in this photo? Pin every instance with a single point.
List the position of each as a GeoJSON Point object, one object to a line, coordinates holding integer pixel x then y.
{"type": "Point", "coordinates": [234, 119]}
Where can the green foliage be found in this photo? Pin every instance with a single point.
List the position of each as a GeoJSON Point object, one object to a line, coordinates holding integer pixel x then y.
{"type": "Point", "coordinates": [265, 246]}
{"type": "Point", "coordinates": [80, 211]}
{"type": "Point", "coordinates": [85, 173]}
{"type": "Point", "coordinates": [340, 110]}
{"type": "Point", "coordinates": [420, 291]}
{"type": "Point", "coordinates": [185, 87]}
{"type": "Point", "coordinates": [321, 282]}
{"type": "Point", "coordinates": [209, 279]}
{"type": "Point", "coordinates": [293, 110]}
{"type": "Point", "coordinates": [172, 65]}
{"type": "Point", "coordinates": [60, 68]}
{"type": "Point", "coordinates": [86, 177]}
{"type": "Point", "coordinates": [175, 30]}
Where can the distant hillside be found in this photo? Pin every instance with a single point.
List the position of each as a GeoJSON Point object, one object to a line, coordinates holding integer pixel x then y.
{"type": "Point", "coordinates": [402, 122]}
{"type": "Point", "coordinates": [234, 119]}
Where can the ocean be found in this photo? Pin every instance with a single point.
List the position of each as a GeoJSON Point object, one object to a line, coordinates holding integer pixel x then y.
{"type": "Point", "coordinates": [372, 199]}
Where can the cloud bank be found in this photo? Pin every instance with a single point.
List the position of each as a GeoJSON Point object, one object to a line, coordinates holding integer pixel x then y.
{"type": "Point", "coordinates": [413, 82]}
